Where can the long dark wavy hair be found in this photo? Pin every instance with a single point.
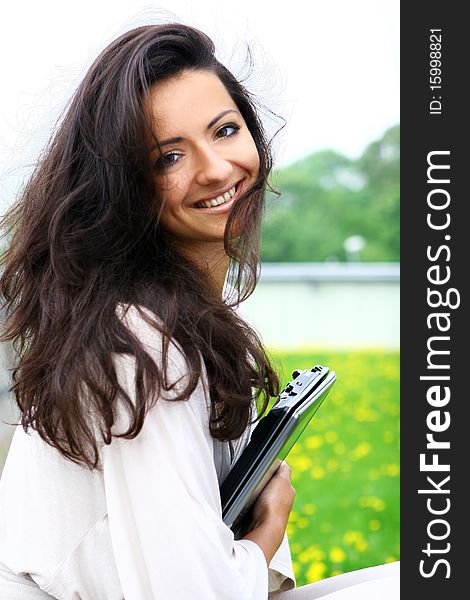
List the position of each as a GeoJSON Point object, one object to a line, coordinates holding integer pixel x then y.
{"type": "Point", "coordinates": [85, 237]}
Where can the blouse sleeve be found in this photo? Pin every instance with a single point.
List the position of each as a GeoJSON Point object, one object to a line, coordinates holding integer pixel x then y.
{"type": "Point", "coordinates": [168, 536]}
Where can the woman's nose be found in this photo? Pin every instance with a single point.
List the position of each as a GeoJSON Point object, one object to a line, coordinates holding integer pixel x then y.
{"type": "Point", "coordinates": [212, 167]}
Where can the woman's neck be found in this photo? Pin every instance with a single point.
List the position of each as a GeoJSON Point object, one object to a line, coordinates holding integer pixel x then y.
{"type": "Point", "coordinates": [212, 259]}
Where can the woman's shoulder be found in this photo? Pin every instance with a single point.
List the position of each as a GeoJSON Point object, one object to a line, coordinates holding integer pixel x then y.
{"type": "Point", "coordinates": [148, 328]}
{"type": "Point", "coordinates": [140, 320]}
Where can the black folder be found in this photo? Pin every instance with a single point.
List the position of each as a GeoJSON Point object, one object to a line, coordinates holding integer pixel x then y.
{"type": "Point", "coordinates": [270, 443]}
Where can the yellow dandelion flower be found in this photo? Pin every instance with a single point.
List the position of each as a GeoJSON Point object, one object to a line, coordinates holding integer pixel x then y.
{"type": "Point", "coordinates": [393, 470]}
{"type": "Point", "coordinates": [364, 413]}
{"type": "Point", "coordinates": [390, 559]}
{"type": "Point", "coordinates": [310, 554]}
{"type": "Point", "coordinates": [361, 545]}
{"type": "Point", "coordinates": [378, 505]}
{"type": "Point", "coordinates": [301, 463]}
{"type": "Point", "coordinates": [317, 553]}
{"type": "Point", "coordinates": [337, 554]}
{"type": "Point", "coordinates": [314, 441]}
{"type": "Point", "coordinates": [296, 568]}
{"type": "Point", "coordinates": [374, 525]}
{"type": "Point", "coordinates": [317, 472]}
{"type": "Point", "coordinates": [309, 509]}
{"type": "Point", "coordinates": [350, 537]}
{"type": "Point", "coordinates": [316, 572]}
{"type": "Point", "coordinates": [304, 557]}
{"type": "Point", "coordinates": [361, 450]}
{"type": "Point", "coordinates": [331, 437]}
{"type": "Point", "coordinates": [373, 502]}
{"type": "Point", "coordinates": [302, 523]}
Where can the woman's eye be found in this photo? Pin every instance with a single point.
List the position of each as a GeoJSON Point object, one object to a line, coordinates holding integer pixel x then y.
{"type": "Point", "coordinates": [228, 130]}
{"type": "Point", "coordinates": [166, 160]}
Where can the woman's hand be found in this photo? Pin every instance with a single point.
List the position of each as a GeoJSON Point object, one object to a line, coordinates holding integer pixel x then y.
{"type": "Point", "coordinates": [271, 512]}
{"type": "Point", "coordinates": [275, 501]}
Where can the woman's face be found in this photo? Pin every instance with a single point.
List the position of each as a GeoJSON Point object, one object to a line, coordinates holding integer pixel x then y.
{"type": "Point", "coordinates": [207, 155]}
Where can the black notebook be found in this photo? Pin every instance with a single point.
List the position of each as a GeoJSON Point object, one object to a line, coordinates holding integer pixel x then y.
{"type": "Point", "coordinates": [270, 443]}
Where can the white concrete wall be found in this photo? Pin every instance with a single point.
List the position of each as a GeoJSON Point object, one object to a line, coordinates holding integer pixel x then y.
{"type": "Point", "coordinates": [325, 305]}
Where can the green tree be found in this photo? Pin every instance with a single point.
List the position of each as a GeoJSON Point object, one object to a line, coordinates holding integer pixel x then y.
{"type": "Point", "coordinates": [327, 197]}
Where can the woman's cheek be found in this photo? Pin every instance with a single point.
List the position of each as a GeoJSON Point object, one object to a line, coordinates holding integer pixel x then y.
{"type": "Point", "coordinates": [252, 156]}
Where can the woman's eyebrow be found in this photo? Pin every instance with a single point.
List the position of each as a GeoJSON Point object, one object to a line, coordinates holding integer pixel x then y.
{"type": "Point", "coordinates": [173, 140]}
{"type": "Point", "coordinates": [178, 139]}
{"type": "Point", "coordinates": [222, 114]}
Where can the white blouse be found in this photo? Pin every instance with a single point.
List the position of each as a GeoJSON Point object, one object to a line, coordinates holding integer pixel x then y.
{"type": "Point", "coordinates": [146, 526]}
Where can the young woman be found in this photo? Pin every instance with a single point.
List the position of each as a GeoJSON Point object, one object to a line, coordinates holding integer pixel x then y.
{"type": "Point", "coordinates": [137, 382]}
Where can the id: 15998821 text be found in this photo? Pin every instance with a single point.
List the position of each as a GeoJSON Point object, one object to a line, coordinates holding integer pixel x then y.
{"type": "Point", "coordinates": [435, 71]}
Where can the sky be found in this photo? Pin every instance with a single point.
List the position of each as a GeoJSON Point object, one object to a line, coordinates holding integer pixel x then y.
{"type": "Point", "coordinates": [329, 68]}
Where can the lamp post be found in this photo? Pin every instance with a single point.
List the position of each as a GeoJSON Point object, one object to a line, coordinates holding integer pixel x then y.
{"type": "Point", "coordinates": [352, 246]}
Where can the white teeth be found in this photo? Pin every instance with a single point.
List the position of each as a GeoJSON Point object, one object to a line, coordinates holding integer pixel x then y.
{"type": "Point", "coordinates": [218, 200]}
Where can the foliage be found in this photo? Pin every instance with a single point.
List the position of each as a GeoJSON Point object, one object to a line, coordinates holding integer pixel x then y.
{"type": "Point", "coordinates": [326, 198]}
{"type": "Point", "coordinates": [346, 467]}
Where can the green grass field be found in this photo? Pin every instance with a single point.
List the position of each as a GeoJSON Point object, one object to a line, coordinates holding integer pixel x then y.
{"type": "Point", "coordinates": [346, 466]}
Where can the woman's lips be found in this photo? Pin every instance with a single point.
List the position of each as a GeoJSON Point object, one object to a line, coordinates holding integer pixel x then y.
{"type": "Point", "coordinates": [225, 206]}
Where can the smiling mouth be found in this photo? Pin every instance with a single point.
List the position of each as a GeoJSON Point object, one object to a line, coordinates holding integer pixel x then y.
{"type": "Point", "coordinates": [219, 200]}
